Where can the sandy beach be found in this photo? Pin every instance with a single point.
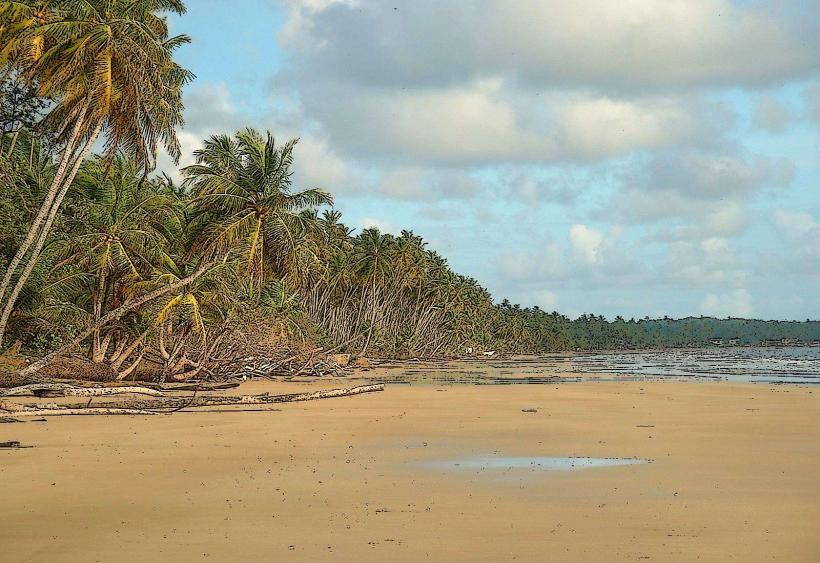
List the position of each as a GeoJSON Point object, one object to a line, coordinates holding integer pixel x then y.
{"type": "Point", "coordinates": [734, 475]}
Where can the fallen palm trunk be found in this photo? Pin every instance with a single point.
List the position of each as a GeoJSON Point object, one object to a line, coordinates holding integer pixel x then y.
{"type": "Point", "coordinates": [264, 399]}
{"type": "Point", "coordinates": [177, 403]}
{"type": "Point", "coordinates": [63, 411]}
{"type": "Point", "coordinates": [66, 390]}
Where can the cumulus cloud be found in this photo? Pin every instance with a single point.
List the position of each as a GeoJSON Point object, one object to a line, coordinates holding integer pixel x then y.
{"type": "Point", "coordinates": [489, 121]}
{"type": "Point", "coordinates": [796, 224]}
{"type": "Point", "coordinates": [543, 264]}
{"type": "Point", "coordinates": [317, 165]}
{"type": "Point", "coordinates": [479, 83]}
{"type": "Point", "coordinates": [586, 243]}
{"type": "Point", "coordinates": [711, 262]}
{"type": "Point", "coordinates": [380, 224]}
{"type": "Point", "coordinates": [704, 193]}
{"type": "Point", "coordinates": [736, 303]}
{"type": "Point", "coordinates": [707, 175]}
{"type": "Point", "coordinates": [631, 44]}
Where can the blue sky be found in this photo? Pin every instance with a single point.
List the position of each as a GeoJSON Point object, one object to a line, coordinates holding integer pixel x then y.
{"type": "Point", "coordinates": [630, 158]}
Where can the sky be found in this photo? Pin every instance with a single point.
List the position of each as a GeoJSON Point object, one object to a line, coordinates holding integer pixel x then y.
{"type": "Point", "coordinates": [634, 158]}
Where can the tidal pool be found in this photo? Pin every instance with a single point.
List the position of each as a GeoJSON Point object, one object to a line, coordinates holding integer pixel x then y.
{"type": "Point", "coordinates": [535, 463]}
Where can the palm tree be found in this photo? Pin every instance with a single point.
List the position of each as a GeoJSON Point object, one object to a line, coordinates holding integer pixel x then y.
{"type": "Point", "coordinates": [188, 310]}
{"type": "Point", "coordinates": [123, 231]}
{"type": "Point", "coordinates": [243, 203]}
{"type": "Point", "coordinates": [109, 66]}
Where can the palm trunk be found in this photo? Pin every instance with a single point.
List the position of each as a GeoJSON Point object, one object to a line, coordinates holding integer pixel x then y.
{"type": "Point", "coordinates": [118, 349]}
{"type": "Point", "coordinates": [35, 254]}
{"type": "Point", "coordinates": [13, 142]}
{"type": "Point", "coordinates": [161, 342]}
{"type": "Point", "coordinates": [114, 315]}
{"type": "Point", "coordinates": [34, 228]}
{"type": "Point", "coordinates": [96, 356]}
{"type": "Point", "coordinates": [116, 363]}
{"type": "Point", "coordinates": [130, 369]}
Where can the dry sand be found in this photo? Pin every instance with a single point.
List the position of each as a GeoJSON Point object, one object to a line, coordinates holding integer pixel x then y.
{"type": "Point", "coordinates": [735, 476]}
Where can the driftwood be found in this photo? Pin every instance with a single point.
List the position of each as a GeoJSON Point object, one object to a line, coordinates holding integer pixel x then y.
{"type": "Point", "coordinates": [12, 444]}
{"type": "Point", "coordinates": [66, 390]}
{"type": "Point", "coordinates": [188, 386]}
{"type": "Point", "coordinates": [55, 410]}
{"type": "Point", "coordinates": [263, 399]}
{"type": "Point", "coordinates": [193, 386]}
{"type": "Point", "coordinates": [155, 406]}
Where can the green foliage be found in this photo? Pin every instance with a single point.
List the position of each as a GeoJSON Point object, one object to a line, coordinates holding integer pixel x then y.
{"type": "Point", "coordinates": [20, 106]}
{"type": "Point", "coordinates": [283, 264]}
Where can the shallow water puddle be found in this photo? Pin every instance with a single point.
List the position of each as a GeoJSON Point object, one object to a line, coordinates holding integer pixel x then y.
{"type": "Point", "coordinates": [536, 463]}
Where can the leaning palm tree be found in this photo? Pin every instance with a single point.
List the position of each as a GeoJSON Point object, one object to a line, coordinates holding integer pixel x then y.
{"type": "Point", "coordinates": [123, 231]}
{"type": "Point", "coordinates": [109, 67]}
{"type": "Point", "coordinates": [243, 203]}
{"type": "Point", "coordinates": [188, 310]}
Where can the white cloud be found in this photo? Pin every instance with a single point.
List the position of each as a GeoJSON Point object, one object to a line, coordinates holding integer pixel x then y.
{"type": "Point", "coordinates": [796, 224]}
{"type": "Point", "coordinates": [491, 121]}
{"type": "Point", "coordinates": [736, 303]}
{"type": "Point", "coordinates": [586, 243]}
{"type": "Point", "coordinates": [547, 300]}
{"type": "Point", "coordinates": [696, 194]}
{"type": "Point", "coordinates": [380, 224]}
{"type": "Point", "coordinates": [629, 44]}
{"type": "Point", "coordinates": [597, 127]}
{"type": "Point", "coordinates": [317, 165]}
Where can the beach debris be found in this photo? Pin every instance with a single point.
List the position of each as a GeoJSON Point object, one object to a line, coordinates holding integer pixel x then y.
{"type": "Point", "coordinates": [66, 390]}
{"type": "Point", "coordinates": [57, 410]}
{"type": "Point", "coordinates": [13, 444]}
{"type": "Point", "coordinates": [166, 404]}
{"type": "Point", "coordinates": [342, 360]}
{"type": "Point", "coordinates": [362, 362]}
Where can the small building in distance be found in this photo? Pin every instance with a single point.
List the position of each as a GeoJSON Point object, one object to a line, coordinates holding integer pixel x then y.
{"type": "Point", "coordinates": [716, 341]}
{"type": "Point", "coordinates": [734, 341]}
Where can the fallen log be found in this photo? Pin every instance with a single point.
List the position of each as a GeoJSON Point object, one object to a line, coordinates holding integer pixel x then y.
{"type": "Point", "coordinates": [66, 390]}
{"type": "Point", "coordinates": [139, 407]}
{"type": "Point", "coordinates": [263, 399]}
{"type": "Point", "coordinates": [194, 386]}
{"type": "Point", "coordinates": [57, 411]}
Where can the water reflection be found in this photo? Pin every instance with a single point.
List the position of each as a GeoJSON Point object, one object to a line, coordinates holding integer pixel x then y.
{"type": "Point", "coordinates": [761, 365]}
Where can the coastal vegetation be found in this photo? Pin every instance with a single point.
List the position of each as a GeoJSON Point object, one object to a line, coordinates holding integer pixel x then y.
{"type": "Point", "coordinates": [148, 274]}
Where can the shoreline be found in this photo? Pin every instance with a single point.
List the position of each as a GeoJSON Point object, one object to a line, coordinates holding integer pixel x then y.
{"type": "Point", "coordinates": [733, 475]}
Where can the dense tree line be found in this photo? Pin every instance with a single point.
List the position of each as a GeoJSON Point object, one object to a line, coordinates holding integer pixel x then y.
{"type": "Point", "coordinates": [101, 254]}
{"type": "Point", "coordinates": [531, 329]}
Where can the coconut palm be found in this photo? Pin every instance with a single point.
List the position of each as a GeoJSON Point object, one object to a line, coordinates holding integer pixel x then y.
{"type": "Point", "coordinates": [123, 230]}
{"type": "Point", "coordinates": [188, 311]}
{"type": "Point", "coordinates": [109, 67]}
{"type": "Point", "coordinates": [243, 203]}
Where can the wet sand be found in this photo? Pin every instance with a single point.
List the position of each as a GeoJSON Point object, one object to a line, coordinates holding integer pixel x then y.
{"type": "Point", "coordinates": [735, 475]}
